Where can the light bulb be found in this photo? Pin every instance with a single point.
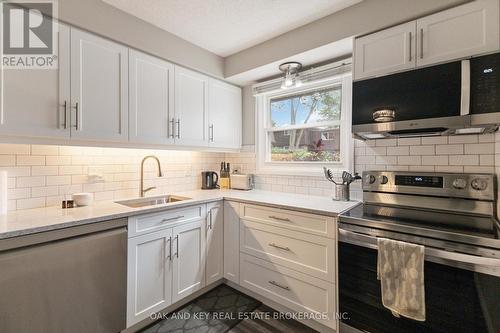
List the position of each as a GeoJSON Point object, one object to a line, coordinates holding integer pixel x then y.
{"type": "Point", "coordinates": [298, 81]}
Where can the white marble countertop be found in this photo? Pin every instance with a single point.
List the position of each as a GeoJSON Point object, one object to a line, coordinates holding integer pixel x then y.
{"type": "Point", "coordinates": [23, 222]}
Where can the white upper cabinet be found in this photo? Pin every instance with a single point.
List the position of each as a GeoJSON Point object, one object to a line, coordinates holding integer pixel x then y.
{"type": "Point", "coordinates": [32, 101]}
{"type": "Point", "coordinates": [386, 51]}
{"type": "Point", "coordinates": [99, 88]}
{"type": "Point", "coordinates": [224, 116]}
{"type": "Point", "coordinates": [191, 108]}
{"type": "Point", "coordinates": [459, 32]}
{"type": "Point", "coordinates": [215, 242]}
{"type": "Point", "coordinates": [151, 89]}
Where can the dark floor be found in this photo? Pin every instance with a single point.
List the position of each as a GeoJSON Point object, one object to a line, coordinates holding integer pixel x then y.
{"type": "Point", "coordinates": [225, 309]}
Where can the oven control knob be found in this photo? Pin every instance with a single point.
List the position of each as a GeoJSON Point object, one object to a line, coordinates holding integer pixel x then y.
{"type": "Point", "coordinates": [459, 184]}
{"type": "Point", "coordinates": [479, 184]}
{"type": "Point", "coordinates": [370, 179]}
{"type": "Point", "coordinates": [383, 180]}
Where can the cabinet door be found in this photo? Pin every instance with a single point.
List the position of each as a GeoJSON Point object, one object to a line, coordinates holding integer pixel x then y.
{"type": "Point", "coordinates": [188, 259]}
{"type": "Point", "coordinates": [232, 241]}
{"type": "Point", "coordinates": [149, 283]}
{"type": "Point", "coordinates": [215, 243]}
{"type": "Point", "coordinates": [385, 52]}
{"type": "Point", "coordinates": [191, 104]}
{"type": "Point", "coordinates": [99, 88]}
{"type": "Point", "coordinates": [32, 101]}
{"type": "Point", "coordinates": [458, 32]}
{"type": "Point", "coordinates": [224, 115]}
{"type": "Point", "coordinates": [151, 99]}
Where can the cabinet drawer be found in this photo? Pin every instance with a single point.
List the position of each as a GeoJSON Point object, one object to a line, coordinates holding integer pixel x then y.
{"type": "Point", "coordinates": [296, 291]}
{"type": "Point", "coordinates": [310, 223]}
{"type": "Point", "coordinates": [142, 224]}
{"type": "Point", "coordinates": [313, 255]}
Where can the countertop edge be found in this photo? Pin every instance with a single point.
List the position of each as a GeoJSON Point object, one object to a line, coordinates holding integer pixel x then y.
{"type": "Point", "coordinates": [148, 210]}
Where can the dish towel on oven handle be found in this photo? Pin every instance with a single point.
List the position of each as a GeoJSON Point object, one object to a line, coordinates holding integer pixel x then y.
{"type": "Point", "coordinates": [400, 269]}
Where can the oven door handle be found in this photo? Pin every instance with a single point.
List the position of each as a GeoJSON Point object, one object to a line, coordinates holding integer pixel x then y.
{"type": "Point", "coordinates": [371, 242]}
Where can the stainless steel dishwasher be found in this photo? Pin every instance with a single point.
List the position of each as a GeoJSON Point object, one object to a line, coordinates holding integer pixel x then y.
{"type": "Point", "coordinates": [68, 280]}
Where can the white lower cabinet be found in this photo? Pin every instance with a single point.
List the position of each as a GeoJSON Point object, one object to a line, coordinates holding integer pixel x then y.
{"type": "Point", "coordinates": [293, 289]}
{"type": "Point", "coordinates": [149, 275]}
{"type": "Point", "coordinates": [214, 268]}
{"type": "Point", "coordinates": [167, 264]}
{"type": "Point", "coordinates": [287, 257]}
{"type": "Point", "coordinates": [232, 241]}
{"type": "Point", "coordinates": [188, 259]}
{"type": "Point", "coordinates": [267, 251]}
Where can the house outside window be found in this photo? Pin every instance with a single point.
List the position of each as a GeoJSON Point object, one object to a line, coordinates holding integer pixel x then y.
{"type": "Point", "coordinates": [303, 129]}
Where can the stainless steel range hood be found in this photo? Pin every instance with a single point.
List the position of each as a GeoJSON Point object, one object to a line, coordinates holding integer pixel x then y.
{"type": "Point", "coordinates": [458, 125]}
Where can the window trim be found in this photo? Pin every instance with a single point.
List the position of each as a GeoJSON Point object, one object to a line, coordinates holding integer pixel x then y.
{"type": "Point", "coordinates": [305, 168]}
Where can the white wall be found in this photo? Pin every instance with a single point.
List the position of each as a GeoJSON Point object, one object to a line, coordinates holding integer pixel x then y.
{"type": "Point", "coordinates": [365, 17]}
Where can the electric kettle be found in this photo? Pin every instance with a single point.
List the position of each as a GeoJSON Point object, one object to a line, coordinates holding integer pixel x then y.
{"type": "Point", "coordinates": [209, 180]}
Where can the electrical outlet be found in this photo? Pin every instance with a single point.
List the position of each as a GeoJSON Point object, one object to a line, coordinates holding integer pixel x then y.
{"type": "Point", "coordinates": [95, 174]}
{"type": "Point", "coordinates": [237, 168]}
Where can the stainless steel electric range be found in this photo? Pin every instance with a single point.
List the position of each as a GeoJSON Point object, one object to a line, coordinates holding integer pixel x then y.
{"type": "Point", "coordinates": [454, 217]}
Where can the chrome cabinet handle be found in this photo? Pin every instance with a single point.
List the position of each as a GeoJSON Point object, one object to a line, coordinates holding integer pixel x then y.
{"type": "Point", "coordinates": [421, 43]}
{"type": "Point", "coordinates": [65, 114]}
{"type": "Point", "coordinates": [410, 37]}
{"type": "Point", "coordinates": [77, 116]}
{"type": "Point", "coordinates": [210, 225]}
{"type": "Point", "coordinates": [178, 128]}
{"type": "Point", "coordinates": [177, 246]}
{"type": "Point", "coordinates": [274, 283]}
{"type": "Point", "coordinates": [286, 248]}
{"type": "Point", "coordinates": [169, 257]}
{"type": "Point", "coordinates": [211, 133]}
{"type": "Point", "coordinates": [279, 218]}
{"type": "Point", "coordinates": [173, 218]}
{"type": "Point", "coordinates": [172, 128]}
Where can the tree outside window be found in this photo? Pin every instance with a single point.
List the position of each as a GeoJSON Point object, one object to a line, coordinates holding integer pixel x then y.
{"type": "Point", "coordinates": [305, 127]}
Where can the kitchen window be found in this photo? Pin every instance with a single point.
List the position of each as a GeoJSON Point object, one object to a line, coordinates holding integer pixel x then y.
{"type": "Point", "coordinates": [301, 130]}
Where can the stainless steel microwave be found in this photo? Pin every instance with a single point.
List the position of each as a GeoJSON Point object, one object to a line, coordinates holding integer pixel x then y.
{"type": "Point", "coordinates": [459, 97]}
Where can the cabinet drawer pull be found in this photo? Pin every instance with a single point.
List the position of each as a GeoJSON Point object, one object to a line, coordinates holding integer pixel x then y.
{"type": "Point", "coordinates": [178, 128]}
{"type": "Point", "coordinates": [211, 133]}
{"type": "Point", "coordinates": [421, 43]}
{"type": "Point", "coordinates": [274, 283]}
{"type": "Point", "coordinates": [169, 257]}
{"type": "Point", "coordinates": [410, 45]}
{"type": "Point", "coordinates": [177, 246]}
{"type": "Point", "coordinates": [77, 116]}
{"type": "Point", "coordinates": [279, 218]}
{"type": "Point", "coordinates": [173, 218]}
{"type": "Point", "coordinates": [65, 114]}
{"type": "Point", "coordinates": [172, 128]}
{"type": "Point", "coordinates": [286, 248]}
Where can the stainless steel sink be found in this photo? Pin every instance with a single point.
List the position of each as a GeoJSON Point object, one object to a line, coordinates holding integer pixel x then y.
{"type": "Point", "coordinates": [152, 201]}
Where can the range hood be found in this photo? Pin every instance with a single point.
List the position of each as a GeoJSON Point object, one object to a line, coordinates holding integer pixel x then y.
{"type": "Point", "coordinates": [461, 97]}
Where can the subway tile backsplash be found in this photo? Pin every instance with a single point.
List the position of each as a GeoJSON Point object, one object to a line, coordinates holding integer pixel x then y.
{"type": "Point", "coordinates": [471, 153]}
{"type": "Point", "coordinates": [42, 175]}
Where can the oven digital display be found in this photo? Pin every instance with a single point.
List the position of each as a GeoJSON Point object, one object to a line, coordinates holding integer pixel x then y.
{"type": "Point", "coordinates": [422, 181]}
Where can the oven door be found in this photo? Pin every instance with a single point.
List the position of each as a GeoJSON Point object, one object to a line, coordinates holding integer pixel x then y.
{"type": "Point", "coordinates": [458, 297]}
